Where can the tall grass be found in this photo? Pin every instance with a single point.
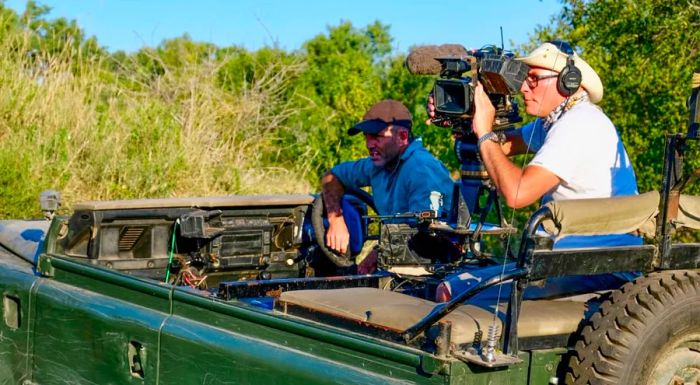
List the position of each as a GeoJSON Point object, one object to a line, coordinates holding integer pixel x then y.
{"type": "Point", "coordinates": [76, 125]}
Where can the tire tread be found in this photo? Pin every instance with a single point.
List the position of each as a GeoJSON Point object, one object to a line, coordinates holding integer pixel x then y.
{"type": "Point", "coordinates": [608, 337]}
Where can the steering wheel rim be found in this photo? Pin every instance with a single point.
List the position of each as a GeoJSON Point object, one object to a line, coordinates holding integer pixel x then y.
{"type": "Point", "coordinates": [317, 210]}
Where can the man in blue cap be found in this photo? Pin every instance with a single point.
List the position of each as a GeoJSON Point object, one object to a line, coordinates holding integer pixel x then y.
{"type": "Point", "coordinates": [403, 175]}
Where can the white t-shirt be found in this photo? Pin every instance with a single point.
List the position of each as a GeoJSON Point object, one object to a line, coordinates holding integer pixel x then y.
{"type": "Point", "coordinates": [584, 150]}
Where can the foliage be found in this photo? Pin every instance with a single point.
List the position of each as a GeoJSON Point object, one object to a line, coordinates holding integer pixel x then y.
{"type": "Point", "coordinates": [342, 79]}
{"type": "Point", "coordinates": [645, 52]}
{"type": "Point", "coordinates": [151, 124]}
{"type": "Point", "coordinates": [191, 118]}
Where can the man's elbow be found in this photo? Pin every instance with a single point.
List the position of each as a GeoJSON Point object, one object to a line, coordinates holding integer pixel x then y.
{"type": "Point", "coordinates": [328, 180]}
{"type": "Point", "coordinates": [517, 202]}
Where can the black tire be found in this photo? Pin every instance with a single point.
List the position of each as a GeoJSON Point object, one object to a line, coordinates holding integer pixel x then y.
{"type": "Point", "coordinates": [648, 332]}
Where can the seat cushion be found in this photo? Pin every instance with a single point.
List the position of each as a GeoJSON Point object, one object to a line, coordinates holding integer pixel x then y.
{"type": "Point", "coordinates": [397, 312]}
{"type": "Point", "coordinates": [616, 215]}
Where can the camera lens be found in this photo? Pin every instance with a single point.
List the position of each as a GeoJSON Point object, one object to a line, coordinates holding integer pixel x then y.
{"type": "Point", "coordinates": [452, 96]}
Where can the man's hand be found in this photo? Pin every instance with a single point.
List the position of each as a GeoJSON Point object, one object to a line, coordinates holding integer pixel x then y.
{"type": "Point", "coordinates": [337, 236]}
{"type": "Point", "coordinates": [484, 112]}
{"type": "Point", "coordinates": [430, 109]}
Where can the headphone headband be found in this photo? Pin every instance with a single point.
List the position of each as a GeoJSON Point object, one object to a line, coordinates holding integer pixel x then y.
{"type": "Point", "coordinates": [562, 46]}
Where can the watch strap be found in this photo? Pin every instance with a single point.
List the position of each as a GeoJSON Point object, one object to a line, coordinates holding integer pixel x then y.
{"type": "Point", "coordinates": [489, 136]}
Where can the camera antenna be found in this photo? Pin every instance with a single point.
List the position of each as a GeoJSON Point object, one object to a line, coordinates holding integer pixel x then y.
{"type": "Point", "coordinates": [503, 47]}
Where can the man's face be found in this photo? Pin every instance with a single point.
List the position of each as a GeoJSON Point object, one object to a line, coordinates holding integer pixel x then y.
{"type": "Point", "coordinates": [540, 91]}
{"type": "Point", "coordinates": [386, 146]}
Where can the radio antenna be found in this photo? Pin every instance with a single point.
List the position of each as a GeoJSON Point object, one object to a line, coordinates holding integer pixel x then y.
{"type": "Point", "coordinates": [503, 48]}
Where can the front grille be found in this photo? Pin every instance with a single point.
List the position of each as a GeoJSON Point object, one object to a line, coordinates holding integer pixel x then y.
{"type": "Point", "coordinates": [129, 236]}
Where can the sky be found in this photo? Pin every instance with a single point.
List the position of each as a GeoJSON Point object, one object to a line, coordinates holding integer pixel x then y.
{"type": "Point", "coordinates": [132, 24]}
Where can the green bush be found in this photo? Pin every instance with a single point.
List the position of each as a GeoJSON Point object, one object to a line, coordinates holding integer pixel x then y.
{"type": "Point", "coordinates": [190, 118]}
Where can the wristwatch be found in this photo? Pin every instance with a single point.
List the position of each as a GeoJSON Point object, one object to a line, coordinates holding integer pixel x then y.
{"type": "Point", "coordinates": [498, 138]}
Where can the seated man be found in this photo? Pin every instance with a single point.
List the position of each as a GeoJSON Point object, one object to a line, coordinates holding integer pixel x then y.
{"type": "Point", "coordinates": [403, 175]}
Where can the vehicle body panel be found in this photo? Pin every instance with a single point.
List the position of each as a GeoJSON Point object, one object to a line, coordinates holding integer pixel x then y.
{"type": "Point", "coordinates": [17, 285]}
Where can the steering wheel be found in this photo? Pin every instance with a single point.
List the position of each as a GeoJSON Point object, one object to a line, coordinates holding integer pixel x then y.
{"type": "Point", "coordinates": [318, 211]}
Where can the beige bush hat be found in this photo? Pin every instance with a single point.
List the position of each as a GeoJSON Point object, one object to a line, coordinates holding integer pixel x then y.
{"type": "Point", "coordinates": [550, 57]}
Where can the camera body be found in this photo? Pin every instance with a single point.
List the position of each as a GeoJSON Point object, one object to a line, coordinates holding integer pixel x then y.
{"type": "Point", "coordinates": [496, 70]}
{"type": "Point", "coordinates": [453, 93]}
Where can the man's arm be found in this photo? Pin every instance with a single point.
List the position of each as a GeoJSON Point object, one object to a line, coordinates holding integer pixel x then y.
{"type": "Point", "coordinates": [519, 187]}
{"type": "Point", "coordinates": [337, 236]}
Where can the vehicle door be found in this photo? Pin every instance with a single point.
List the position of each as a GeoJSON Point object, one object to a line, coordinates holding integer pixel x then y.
{"type": "Point", "coordinates": [17, 280]}
{"type": "Point", "coordinates": [96, 326]}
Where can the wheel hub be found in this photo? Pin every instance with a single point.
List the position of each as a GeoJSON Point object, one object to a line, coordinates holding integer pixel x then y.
{"type": "Point", "coordinates": [680, 367]}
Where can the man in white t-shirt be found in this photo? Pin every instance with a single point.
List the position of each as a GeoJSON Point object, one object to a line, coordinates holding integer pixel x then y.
{"type": "Point", "coordinates": [578, 152]}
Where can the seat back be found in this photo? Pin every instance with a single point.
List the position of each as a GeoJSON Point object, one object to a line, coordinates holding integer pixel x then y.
{"type": "Point", "coordinates": [599, 216]}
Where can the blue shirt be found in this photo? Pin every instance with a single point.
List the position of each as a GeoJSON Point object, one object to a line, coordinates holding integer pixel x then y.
{"type": "Point", "coordinates": [407, 188]}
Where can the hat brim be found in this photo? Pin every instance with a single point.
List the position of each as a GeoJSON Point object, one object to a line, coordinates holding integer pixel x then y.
{"type": "Point", "coordinates": [373, 127]}
{"type": "Point", "coordinates": [549, 57]}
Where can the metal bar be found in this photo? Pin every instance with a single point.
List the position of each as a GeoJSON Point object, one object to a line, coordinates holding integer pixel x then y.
{"type": "Point", "coordinates": [108, 276]}
{"type": "Point", "coordinates": [682, 256]}
{"type": "Point", "coordinates": [240, 289]}
{"type": "Point", "coordinates": [510, 334]}
{"type": "Point", "coordinates": [558, 263]}
{"type": "Point", "coordinates": [527, 245]}
{"type": "Point", "coordinates": [672, 175]}
{"type": "Point", "coordinates": [444, 309]}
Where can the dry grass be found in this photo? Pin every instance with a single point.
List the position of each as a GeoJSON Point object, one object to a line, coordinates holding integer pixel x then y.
{"type": "Point", "coordinates": [94, 133]}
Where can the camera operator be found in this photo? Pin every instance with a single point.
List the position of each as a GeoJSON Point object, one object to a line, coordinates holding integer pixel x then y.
{"type": "Point", "coordinates": [402, 173]}
{"type": "Point", "coordinates": [578, 152]}
{"type": "Point", "coordinates": [578, 155]}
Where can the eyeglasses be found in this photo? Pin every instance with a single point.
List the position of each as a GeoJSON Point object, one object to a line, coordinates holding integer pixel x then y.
{"type": "Point", "coordinates": [533, 80]}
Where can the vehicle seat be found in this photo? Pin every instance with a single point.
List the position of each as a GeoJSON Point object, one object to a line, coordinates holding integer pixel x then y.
{"type": "Point", "coordinates": [599, 216]}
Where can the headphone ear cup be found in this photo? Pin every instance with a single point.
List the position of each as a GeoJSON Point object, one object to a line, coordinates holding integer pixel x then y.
{"type": "Point", "coordinates": [569, 79]}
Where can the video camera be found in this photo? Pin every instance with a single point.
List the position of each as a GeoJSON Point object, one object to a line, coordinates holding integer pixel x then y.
{"type": "Point", "coordinates": [495, 69]}
{"type": "Point", "coordinates": [453, 92]}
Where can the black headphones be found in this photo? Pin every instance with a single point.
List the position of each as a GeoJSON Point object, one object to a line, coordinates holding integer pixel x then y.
{"type": "Point", "coordinates": [570, 77]}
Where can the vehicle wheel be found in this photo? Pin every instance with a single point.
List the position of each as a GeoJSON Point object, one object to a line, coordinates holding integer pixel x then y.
{"type": "Point", "coordinates": [646, 333]}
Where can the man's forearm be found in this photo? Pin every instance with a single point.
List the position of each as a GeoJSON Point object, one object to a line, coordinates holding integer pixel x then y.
{"type": "Point", "coordinates": [337, 236]}
{"type": "Point", "coordinates": [504, 174]}
{"type": "Point", "coordinates": [519, 187]}
{"type": "Point", "coordinates": [332, 191]}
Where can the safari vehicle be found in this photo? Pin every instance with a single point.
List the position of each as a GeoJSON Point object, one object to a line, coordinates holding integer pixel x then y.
{"type": "Point", "coordinates": [230, 290]}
